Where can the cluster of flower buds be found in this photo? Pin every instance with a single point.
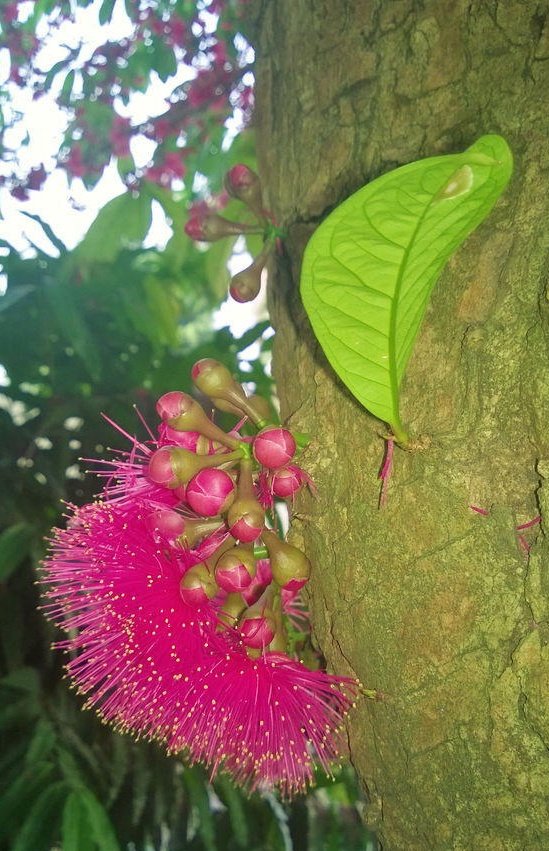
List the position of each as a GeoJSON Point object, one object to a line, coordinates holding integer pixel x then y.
{"type": "Point", "coordinates": [177, 595]}
{"type": "Point", "coordinates": [241, 184]}
{"type": "Point", "coordinates": [225, 486]}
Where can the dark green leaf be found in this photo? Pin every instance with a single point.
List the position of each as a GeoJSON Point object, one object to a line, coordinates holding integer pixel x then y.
{"type": "Point", "coordinates": [198, 795]}
{"type": "Point", "coordinates": [76, 829]}
{"type": "Point", "coordinates": [106, 10]}
{"type": "Point", "coordinates": [13, 295]}
{"type": "Point", "coordinates": [232, 798]}
{"type": "Point", "coordinates": [15, 543]}
{"type": "Point", "coordinates": [72, 325]}
{"type": "Point", "coordinates": [101, 826]}
{"type": "Point", "coordinates": [36, 833]}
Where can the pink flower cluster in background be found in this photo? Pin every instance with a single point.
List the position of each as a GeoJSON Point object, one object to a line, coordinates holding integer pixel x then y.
{"type": "Point", "coordinates": [176, 593]}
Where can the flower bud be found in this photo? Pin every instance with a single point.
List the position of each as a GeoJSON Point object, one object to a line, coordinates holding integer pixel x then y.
{"type": "Point", "coordinates": [211, 227]}
{"type": "Point", "coordinates": [263, 577]}
{"type": "Point", "coordinates": [274, 447]}
{"type": "Point", "coordinates": [196, 530]}
{"type": "Point", "coordinates": [198, 586]}
{"type": "Point", "coordinates": [235, 569]}
{"type": "Point", "coordinates": [183, 413]}
{"type": "Point", "coordinates": [260, 622]}
{"type": "Point", "coordinates": [214, 380]}
{"type": "Point", "coordinates": [244, 184]}
{"type": "Point", "coordinates": [171, 466]}
{"type": "Point", "coordinates": [161, 469]}
{"type": "Point", "coordinates": [245, 285]}
{"type": "Point", "coordinates": [288, 564]}
{"type": "Point", "coordinates": [165, 524]}
{"type": "Point", "coordinates": [245, 517]}
{"type": "Point", "coordinates": [191, 440]}
{"type": "Point", "coordinates": [210, 492]}
{"type": "Point", "coordinates": [286, 481]}
{"type": "Point", "coordinates": [257, 631]}
{"type": "Point", "coordinates": [230, 611]}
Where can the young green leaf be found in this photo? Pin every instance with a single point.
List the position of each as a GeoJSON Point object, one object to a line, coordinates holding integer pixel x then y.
{"type": "Point", "coordinates": [122, 223]}
{"type": "Point", "coordinates": [370, 267]}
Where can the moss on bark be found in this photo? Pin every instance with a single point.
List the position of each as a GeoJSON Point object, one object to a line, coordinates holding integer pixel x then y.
{"type": "Point", "coordinates": [437, 607]}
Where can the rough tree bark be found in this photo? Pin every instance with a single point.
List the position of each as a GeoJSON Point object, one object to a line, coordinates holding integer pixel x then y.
{"type": "Point", "coordinates": [437, 607]}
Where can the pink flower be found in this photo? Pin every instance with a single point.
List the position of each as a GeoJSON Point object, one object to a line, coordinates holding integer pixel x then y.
{"type": "Point", "coordinates": [131, 582]}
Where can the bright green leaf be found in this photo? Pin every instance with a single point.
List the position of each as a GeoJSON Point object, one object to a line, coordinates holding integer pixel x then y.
{"type": "Point", "coordinates": [370, 267]}
{"type": "Point", "coordinates": [122, 223]}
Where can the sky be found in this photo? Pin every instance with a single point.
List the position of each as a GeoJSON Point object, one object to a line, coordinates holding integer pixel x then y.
{"type": "Point", "coordinates": [70, 209]}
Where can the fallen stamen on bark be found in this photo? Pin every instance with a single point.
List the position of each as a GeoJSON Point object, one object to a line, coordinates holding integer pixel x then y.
{"type": "Point", "coordinates": [529, 523]}
{"type": "Point", "coordinates": [386, 470]}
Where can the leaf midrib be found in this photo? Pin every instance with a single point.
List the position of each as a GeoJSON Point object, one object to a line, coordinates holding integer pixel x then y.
{"type": "Point", "coordinates": [393, 375]}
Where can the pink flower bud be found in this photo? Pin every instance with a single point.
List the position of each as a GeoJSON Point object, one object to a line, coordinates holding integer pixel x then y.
{"type": "Point", "coordinates": [161, 469]}
{"type": "Point", "coordinates": [263, 577]}
{"type": "Point", "coordinates": [210, 492]}
{"type": "Point", "coordinates": [257, 631]}
{"type": "Point", "coordinates": [165, 523]}
{"type": "Point", "coordinates": [246, 528]}
{"type": "Point", "coordinates": [245, 517]}
{"type": "Point", "coordinates": [196, 531]}
{"type": "Point", "coordinates": [240, 179]}
{"type": "Point", "coordinates": [288, 564]}
{"type": "Point", "coordinates": [286, 481]}
{"type": "Point", "coordinates": [183, 413]}
{"type": "Point", "coordinates": [245, 285]}
{"type": "Point", "coordinates": [214, 380]}
{"type": "Point", "coordinates": [191, 440]}
{"type": "Point", "coordinates": [212, 227]}
{"type": "Point", "coordinates": [197, 586]}
{"type": "Point", "coordinates": [172, 465]}
{"type": "Point", "coordinates": [243, 183]}
{"type": "Point", "coordinates": [173, 404]}
{"type": "Point", "coordinates": [274, 447]}
{"type": "Point", "coordinates": [235, 569]}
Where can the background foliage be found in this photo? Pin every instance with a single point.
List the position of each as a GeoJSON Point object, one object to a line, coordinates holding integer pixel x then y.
{"type": "Point", "coordinates": [96, 330]}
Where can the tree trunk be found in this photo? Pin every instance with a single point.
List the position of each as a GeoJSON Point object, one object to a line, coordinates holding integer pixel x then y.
{"type": "Point", "coordinates": [440, 608]}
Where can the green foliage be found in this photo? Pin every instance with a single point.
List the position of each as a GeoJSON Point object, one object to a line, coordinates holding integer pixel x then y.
{"type": "Point", "coordinates": [370, 267]}
{"type": "Point", "coordinates": [144, 321]}
{"type": "Point", "coordinates": [97, 330]}
{"type": "Point", "coordinates": [122, 223]}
